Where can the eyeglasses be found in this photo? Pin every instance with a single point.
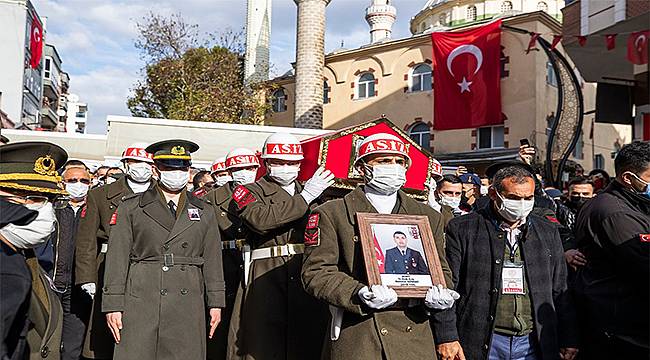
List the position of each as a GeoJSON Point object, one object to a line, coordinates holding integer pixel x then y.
{"type": "Point", "coordinates": [72, 181]}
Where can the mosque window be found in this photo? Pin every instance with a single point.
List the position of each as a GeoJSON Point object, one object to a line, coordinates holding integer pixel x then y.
{"type": "Point", "coordinates": [506, 6]}
{"type": "Point", "coordinates": [471, 13]}
{"type": "Point", "coordinates": [326, 92]}
{"type": "Point", "coordinates": [279, 103]}
{"type": "Point", "coordinates": [421, 78]}
{"type": "Point", "coordinates": [366, 86]}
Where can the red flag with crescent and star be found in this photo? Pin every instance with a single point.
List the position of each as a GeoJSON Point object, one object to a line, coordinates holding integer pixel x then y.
{"type": "Point", "coordinates": [381, 260]}
{"type": "Point", "coordinates": [466, 77]}
{"type": "Point", "coordinates": [35, 43]}
{"type": "Point", "coordinates": [637, 47]}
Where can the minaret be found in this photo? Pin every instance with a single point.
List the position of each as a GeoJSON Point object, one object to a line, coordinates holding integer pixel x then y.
{"type": "Point", "coordinates": [310, 61]}
{"type": "Point", "coordinates": [381, 16]}
{"type": "Point", "coordinates": [258, 34]}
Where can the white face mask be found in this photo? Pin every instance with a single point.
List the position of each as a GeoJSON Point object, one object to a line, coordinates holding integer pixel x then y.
{"type": "Point", "coordinates": [452, 202]}
{"type": "Point", "coordinates": [244, 177]}
{"type": "Point", "coordinates": [222, 180]}
{"type": "Point", "coordinates": [484, 190]}
{"type": "Point", "coordinates": [385, 179]}
{"type": "Point", "coordinates": [33, 234]}
{"type": "Point", "coordinates": [284, 174]}
{"type": "Point", "coordinates": [174, 180]}
{"type": "Point", "coordinates": [77, 190]}
{"type": "Point", "coordinates": [515, 210]}
{"type": "Point", "coordinates": [139, 172]}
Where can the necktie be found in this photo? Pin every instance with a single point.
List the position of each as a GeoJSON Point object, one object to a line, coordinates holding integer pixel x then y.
{"type": "Point", "coordinates": [172, 207]}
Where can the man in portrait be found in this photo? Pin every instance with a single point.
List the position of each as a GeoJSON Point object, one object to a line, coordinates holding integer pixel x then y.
{"type": "Point", "coordinates": [404, 260]}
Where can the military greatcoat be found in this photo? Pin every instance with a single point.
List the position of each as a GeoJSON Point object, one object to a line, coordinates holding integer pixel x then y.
{"type": "Point", "coordinates": [162, 273]}
{"type": "Point", "coordinates": [334, 271]}
{"type": "Point", "coordinates": [274, 318]}
{"type": "Point", "coordinates": [94, 230]}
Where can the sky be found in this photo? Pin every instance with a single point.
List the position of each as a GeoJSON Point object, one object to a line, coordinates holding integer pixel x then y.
{"type": "Point", "coordinates": [95, 39]}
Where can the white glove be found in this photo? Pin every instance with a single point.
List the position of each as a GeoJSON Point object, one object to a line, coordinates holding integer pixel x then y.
{"type": "Point", "coordinates": [378, 296]}
{"type": "Point", "coordinates": [440, 298]}
{"type": "Point", "coordinates": [321, 180]}
{"type": "Point", "coordinates": [90, 289]}
{"type": "Point", "coordinates": [431, 200]}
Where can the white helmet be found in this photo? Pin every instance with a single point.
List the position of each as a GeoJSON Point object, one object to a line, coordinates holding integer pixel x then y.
{"type": "Point", "coordinates": [382, 143]}
{"type": "Point", "coordinates": [240, 158]}
{"type": "Point", "coordinates": [136, 151]}
{"type": "Point", "coordinates": [282, 146]}
{"type": "Point", "coordinates": [218, 165]}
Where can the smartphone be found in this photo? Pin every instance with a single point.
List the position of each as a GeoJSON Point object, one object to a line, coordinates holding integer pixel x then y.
{"type": "Point", "coordinates": [524, 142]}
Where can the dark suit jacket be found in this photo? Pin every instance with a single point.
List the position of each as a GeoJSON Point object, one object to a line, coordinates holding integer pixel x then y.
{"type": "Point", "coordinates": [412, 263]}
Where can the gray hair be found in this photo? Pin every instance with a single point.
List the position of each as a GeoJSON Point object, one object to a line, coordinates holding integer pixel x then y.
{"type": "Point", "coordinates": [518, 175]}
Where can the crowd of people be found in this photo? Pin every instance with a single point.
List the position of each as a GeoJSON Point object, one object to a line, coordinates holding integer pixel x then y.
{"type": "Point", "coordinates": [156, 259]}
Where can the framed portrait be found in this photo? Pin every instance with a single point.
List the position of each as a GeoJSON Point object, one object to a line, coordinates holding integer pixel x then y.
{"type": "Point", "coordinates": [399, 251]}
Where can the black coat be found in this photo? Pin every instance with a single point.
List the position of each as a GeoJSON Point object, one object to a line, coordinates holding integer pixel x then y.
{"type": "Point", "coordinates": [475, 251]}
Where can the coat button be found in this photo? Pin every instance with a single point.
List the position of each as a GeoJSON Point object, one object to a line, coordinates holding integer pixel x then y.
{"type": "Point", "coordinates": [163, 292]}
{"type": "Point", "coordinates": [355, 238]}
{"type": "Point", "coordinates": [184, 291]}
{"type": "Point", "coordinates": [185, 244]}
{"type": "Point", "coordinates": [45, 351]}
{"type": "Point", "coordinates": [495, 290]}
{"type": "Point", "coordinates": [223, 213]}
{"type": "Point", "coordinates": [110, 207]}
{"type": "Point", "coordinates": [497, 261]}
{"type": "Point", "coordinates": [166, 247]}
{"type": "Point", "coordinates": [383, 331]}
{"type": "Point", "coordinates": [486, 346]}
{"type": "Point", "coordinates": [239, 230]}
{"type": "Point", "coordinates": [123, 197]}
{"type": "Point", "coordinates": [491, 318]}
{"type": "Point", "coordinates": [409, 329]}
{"type": "Point", "coordinates": [165, 268]}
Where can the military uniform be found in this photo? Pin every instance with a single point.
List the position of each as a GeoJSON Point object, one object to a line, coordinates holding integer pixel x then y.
{"type": "Point", "coordinates": [159, 272]}
{"type": "Point", "coordinates": [334, 271]}
{"type": "Point", "coordinates": [233, 234]}
{"type": "Point", "coordinates": [274, 318]}
{"type": "Point", "coordinates": [91, 247]}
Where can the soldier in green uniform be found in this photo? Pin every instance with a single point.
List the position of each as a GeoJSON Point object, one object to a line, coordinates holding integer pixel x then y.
{"type": "Point", "coordinates": [273, 317]}
{"type": "Point", "coordinates": [241, 165]}
{"type": "Point", "coordinates": [32, 316]}
{"type": "Point", "coordinates": [370, 322]}
{"type": "Point", "coordinates": [163, 266]}
{"type": "Point", "coordinates": [92, 241]}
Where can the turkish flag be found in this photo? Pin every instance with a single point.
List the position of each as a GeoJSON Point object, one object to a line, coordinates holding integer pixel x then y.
{"type": "Point", "coordinates": [637, 47]}
{"type": "Point", "coordinates": [36, 43]}
{"type": "Point", "coordinates": [381, 260]}
{"type": "Point", "coordinates": [466, 72]}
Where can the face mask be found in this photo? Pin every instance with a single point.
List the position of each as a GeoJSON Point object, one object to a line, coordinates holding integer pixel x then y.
{"type": "Point", "coordinates": [484, 190]}
{"type": "Point", "coordinates": [577, 201]}
{"type": "Point", "coordinates": [139, 172]}
{"type": "Point", "coordinates": [222, 180]}
{"type": "Point", "coordinates": [77, 190]}
{"type": "Point", "coordinates": [284, 174]}
{"type": "Point", "coordinates": [385, 179]}
{"type": "Point", "coordinates": [244, 177]}
{"type": "Point", "coordinates": [645, 192]}
{"type": "Point", "coordinates": [452, 202]}
{"type": "Point", "coordinates": [33, 234]}
{"type": "Point", "coordinates": [174, 180]}
{"type": "Point", "coordinates": [514, 210]}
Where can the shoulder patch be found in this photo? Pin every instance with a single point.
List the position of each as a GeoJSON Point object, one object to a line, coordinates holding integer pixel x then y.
{"type": "Point", "coordinates": [243, 196]}
{"type": "Point", "coordinates": [644, 238]}
{"type": "Point", "coordinates": [312, 232]}
{"type": "Point", "coordinates": [83, 211]}
{"type": "Point", "coordinates": [552, 219]}
{"type": "Point", "coordinates": [113, 218]}
{"type": "Point", "coordinates": [312, 221]}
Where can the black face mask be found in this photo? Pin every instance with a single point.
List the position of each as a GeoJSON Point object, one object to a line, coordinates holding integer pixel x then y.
{"type": "Point", "coordinates": [576, 202]}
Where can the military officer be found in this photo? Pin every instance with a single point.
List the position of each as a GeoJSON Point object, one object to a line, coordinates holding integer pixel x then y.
{"type": "Point", "coordinates": [32, 316]}
{"type": "Point", "coordinates": [370, 322]}
{"type": "Point", "coordinates": [241, 164]}
{"type": "Point", "coordinates": [92, 241]}
{"type": "Point", "coordinates": [219, 172]}
{"type": "Point", "coordinates": [277, 319]}
{"type": "Point", "coordinates": [163, 266]}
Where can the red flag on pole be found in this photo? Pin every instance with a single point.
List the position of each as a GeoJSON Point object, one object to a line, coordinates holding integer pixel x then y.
{"type": "Point", "coordinates": [556, 40]}
{"type": "Point", "coordinates": [381, 260]}
{"type": "Point", "coordinates": [466, 74]}
{"type": "Point", "coordinates": [531, 43]}
{"type": "Point", "coordinates": [610, 40]}
{"type": "Point", "coordinates": [637, 47]}
{"type": "Point", "coordinates": [35, 43]}
{"type": "Point", "coordinates": [582, 40]}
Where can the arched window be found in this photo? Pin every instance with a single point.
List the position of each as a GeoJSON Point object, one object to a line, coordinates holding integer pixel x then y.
{"type": "Point", "coordinates": [279, 103]}
{"type": "Point", "coordinates": [421, 134]}
{"type": "Point", "coordinates": [442, 19]}
{"type": "Point", "coordinates": [471, 13]}
{"type": "Point", "coordinates": [542, 6]}
{"type": "Point", "coordinates": [326, 92]}
{"type": "Point", "coordinates": [421, 78]}
{"type": "Point", "coordinates": [366, 86]}
{"type": "Point", "coordinates": [506, 6]}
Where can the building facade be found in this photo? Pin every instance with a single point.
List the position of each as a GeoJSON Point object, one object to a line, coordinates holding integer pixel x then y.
{"type": "Point", "coordinates": [76, 115]}
{"type": "Point", "coordinates": [394, 79]}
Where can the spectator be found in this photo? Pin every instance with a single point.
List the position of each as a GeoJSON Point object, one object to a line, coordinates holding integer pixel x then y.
{"type": "Point", "coordinates": [508, 267]}
{"type": "Point", "coordinates": [600, 178]}
{"type": "Point", "coordinates": [75, 163]}
{"type": "Point", "coordinates": [113, 174]}
{"type": "Point", "coordinates": [553, 193]}
{"type": "Point", "coordinates": [100, 175]}
{"type": "Point", "coordinates": [581, 189]}
{"type": "Point", "coordinates": [76, 303]}
{"type": "Point", "coordinates": [202, 183]}
{"type": "Point", "coordinates": [449, 193]}
{"type": "Point", "coordinates": [471, 191]}
{"type": "Point", "coordinates": [613, 231]}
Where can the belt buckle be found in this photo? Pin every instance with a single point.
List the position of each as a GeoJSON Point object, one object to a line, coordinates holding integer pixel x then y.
{"type": "Point", "coordinates": [168, 259]}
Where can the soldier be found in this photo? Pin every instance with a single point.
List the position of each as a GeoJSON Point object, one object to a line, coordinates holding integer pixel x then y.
{"type": "Point", "coordinates": [370, 322]}
{"type": "Point", "coordinates": [92, 242]}
{"type": "Point", "coordinates": [242, 165]}
{"type": "Point", "coordinates": [219, 172]}
{"type": "Point", "coordinates": [278, 320]}
{"type": "Point", "coordinates": [31, 319]}
{"type": "Point", "coordinates": [163, 266]}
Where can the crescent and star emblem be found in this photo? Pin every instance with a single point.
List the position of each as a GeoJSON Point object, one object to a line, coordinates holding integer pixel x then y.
{"type": "Point", "coordinates": [37, 35]}
{"type": "Point", "coordinates": [462, 49]}
{"type": "Point", "coordinates": [639, 44]}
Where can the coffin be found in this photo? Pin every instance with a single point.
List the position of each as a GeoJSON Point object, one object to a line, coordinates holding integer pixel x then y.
{"type": "Point", "coordinates": [337, 151]}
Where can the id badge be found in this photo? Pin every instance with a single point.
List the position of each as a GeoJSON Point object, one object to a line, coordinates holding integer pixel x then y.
{"type": "Point", "coordinates": [512, 279]}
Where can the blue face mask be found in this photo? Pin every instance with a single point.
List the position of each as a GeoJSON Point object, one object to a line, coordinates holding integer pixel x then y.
{"type": "Point", "coordinates": [646, 192]}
